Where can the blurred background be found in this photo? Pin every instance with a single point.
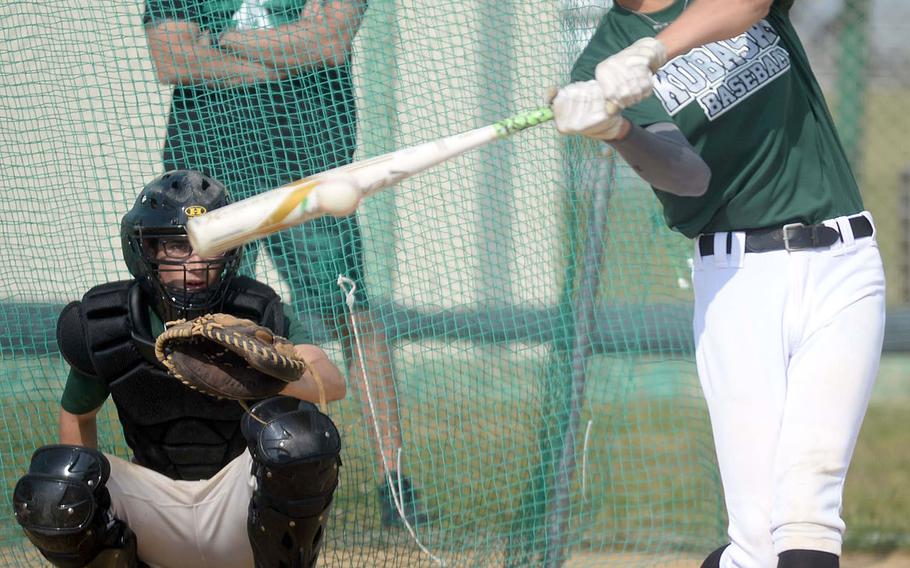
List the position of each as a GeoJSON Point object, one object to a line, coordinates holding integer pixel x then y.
{"type": "Point", "coordinates": [536, 306]}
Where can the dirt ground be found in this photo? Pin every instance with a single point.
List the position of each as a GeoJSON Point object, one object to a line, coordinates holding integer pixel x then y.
{"type": "Point", "coordinates": [893, 560]}
{"type": "Point", "coordinates": [885, 560]}
{"type": "Point", "coordinates": [17, 558]}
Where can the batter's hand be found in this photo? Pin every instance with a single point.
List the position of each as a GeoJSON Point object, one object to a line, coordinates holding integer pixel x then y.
{"type": "Point", "coordinates": [580, 108]}
{"type": "Point", "coordinates": [625, 78]}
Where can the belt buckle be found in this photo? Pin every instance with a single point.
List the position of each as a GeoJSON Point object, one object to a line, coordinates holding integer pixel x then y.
{"type": "Point", "coordinates": [786, 231]}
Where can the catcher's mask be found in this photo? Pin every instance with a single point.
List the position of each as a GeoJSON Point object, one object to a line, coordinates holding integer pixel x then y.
{"type": "Point", "coordinates": [157, 251]}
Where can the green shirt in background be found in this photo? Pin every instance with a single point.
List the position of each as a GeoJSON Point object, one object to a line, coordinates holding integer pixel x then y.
{"type": "Point", "coordinates": [753, 110]}
{"type": "Point", "coordinates": [84, 393]}
{"type": "Point", "coordinates": [260, 136]}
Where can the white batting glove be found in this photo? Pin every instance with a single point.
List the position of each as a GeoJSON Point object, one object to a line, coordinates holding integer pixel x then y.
{"type": "Point", "coordinates": [625, 78]}
{"type": "Point", "coordinates": [580, 108]}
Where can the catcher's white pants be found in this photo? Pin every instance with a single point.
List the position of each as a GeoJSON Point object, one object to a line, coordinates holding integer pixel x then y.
{"type": "Point", "coordinates": [787, 347]}
{"type": "Point", "coordinates": [186, 524]}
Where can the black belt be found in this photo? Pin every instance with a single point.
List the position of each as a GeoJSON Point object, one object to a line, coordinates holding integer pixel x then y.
{"type": "Point", "coordinates": [790, 237]}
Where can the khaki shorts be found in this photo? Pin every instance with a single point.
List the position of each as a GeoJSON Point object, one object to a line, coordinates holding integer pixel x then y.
{"type": "Point", "coordinates": [192, 524]}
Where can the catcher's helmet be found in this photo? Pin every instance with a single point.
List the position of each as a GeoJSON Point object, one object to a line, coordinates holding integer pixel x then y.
{"type": "Point", "coordinates": [160, 215]}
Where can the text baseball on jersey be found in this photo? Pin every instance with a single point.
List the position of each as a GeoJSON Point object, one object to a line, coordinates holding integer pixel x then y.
{"type": "Point", "coordinates": [720, 75]}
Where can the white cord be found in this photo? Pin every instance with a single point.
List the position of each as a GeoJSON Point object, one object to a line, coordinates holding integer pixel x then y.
{"type": "Point", "coordinates": [348, 286]}
{"type": "Point", "coordinates": [397, 498]}
{"type": "Point", "coordinates": [584, 461]}
{"type": "Point", "coordinates": [344, 281]}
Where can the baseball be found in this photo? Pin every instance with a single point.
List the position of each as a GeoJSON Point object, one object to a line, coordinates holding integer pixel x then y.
{"type": "Point", "coordinates": [338, 195]}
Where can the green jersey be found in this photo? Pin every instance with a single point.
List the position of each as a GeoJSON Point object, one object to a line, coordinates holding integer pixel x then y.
{"type": "Point", "coordinates": [84, 393]}
{"type": "Point", "coordinates": [753, 110]}
{"type": "Point", "coordinates": [260, 136]}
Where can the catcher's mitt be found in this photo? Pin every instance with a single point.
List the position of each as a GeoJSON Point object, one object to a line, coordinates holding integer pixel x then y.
{"type": "Point", "coordinates": [228, 357]}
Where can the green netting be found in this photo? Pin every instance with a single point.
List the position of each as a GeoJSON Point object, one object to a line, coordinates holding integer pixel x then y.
{"type": "Point", "coordinates": [535, 307]}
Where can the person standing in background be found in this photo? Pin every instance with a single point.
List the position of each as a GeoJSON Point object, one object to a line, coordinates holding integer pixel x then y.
{"type": "Point", "coordinates": [263, 96]}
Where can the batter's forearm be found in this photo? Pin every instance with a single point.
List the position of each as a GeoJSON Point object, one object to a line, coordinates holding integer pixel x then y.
{"type": "Point", "coordinates": [663, 157]}
{"type": "Point", "coordinates": [706, 21]}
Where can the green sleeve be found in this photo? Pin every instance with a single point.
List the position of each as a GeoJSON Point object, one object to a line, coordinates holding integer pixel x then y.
{"type": "Point", "coordinates": [296, 333]}
{"type": "Point", "coordinates": [208, 14]}
{"type": "Point", "coordinates": [161, 10]}
{"type": "Point", "coordinates": [784, 5]}
{"type": "Point", "coordinates": [83, 393]}
{"type": "Point", "coordinates": [284, 11]}
{"type": "Point", "coordinates": [597, 50]}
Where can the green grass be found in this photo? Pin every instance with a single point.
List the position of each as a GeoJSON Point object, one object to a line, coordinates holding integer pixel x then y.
{"type": "Point", "coordinates": [473, 418]}
{"type": "Point", "coordinates": [884, 160]}
{"type": "Point", "coordinates": [876, 499]}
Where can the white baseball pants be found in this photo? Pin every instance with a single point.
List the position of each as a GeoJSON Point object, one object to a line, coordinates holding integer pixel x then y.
{"type": "Point", "coordinates": [787, 347]}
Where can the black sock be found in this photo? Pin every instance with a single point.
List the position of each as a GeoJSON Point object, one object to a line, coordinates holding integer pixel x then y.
{"type": "Point", "coordinates": [713, 559]}
{"type": "Point", "coordinates": [807, 559]}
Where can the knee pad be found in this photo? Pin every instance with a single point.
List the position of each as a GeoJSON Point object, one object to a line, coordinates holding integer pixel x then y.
{"type": "Point", "coordinates": [65, 509]}
{"type": "Point", "coordinates": [296, 453]}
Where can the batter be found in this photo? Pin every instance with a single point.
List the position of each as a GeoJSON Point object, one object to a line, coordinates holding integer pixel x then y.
{"type": "Point", "coordinates": [722, 114]}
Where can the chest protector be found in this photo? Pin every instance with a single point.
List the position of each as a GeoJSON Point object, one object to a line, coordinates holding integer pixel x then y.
{"type": "Point", "coordinates": [170, 428]}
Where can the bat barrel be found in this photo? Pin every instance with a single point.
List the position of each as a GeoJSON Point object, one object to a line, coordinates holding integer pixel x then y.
{"type": "Point", "coordinates": [295, 203]}
{"type": "Point", "coordinates": [245, 221]}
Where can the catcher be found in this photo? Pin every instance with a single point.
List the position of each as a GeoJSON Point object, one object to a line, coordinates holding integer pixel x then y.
{"type": "Point", "coordinates": [210, 483]}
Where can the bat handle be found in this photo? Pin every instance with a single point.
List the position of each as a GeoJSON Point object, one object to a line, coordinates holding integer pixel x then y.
{"type": "Point", "coordinates": [513, 124]}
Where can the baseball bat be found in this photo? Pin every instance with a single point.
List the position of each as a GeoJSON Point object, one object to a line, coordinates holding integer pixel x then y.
{"type": "Point", "coordinates": [338, 191]}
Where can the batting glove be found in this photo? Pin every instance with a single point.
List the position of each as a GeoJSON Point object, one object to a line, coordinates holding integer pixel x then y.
{"type": "Point", "coordinates": [580, 108]}
{"type": "Point", "coordinates": [625, 78]}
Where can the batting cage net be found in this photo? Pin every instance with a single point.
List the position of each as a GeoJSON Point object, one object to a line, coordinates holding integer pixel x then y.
{"type": "Point", "coordinates": [518, 352]}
